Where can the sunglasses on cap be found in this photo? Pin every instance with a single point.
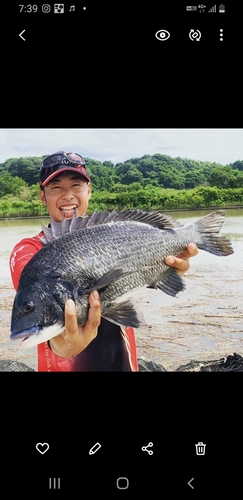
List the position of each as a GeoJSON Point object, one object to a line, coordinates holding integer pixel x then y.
{"type": "Point", "coordinates": [62, 159]}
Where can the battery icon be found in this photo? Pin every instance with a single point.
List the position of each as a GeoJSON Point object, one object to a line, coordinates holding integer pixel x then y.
{"type": "Point", "coordinates": [221, 9]}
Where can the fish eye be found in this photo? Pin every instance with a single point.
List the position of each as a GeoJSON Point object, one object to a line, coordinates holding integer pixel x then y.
{"type": "Point", "coordinates": [28, 307]}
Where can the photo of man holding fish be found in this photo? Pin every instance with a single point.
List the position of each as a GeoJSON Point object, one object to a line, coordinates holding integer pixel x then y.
{"type": "Point", "coordinates": [73, 279]}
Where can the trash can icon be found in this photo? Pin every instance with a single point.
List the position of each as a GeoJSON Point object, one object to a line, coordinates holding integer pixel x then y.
{"type": "Point", "coordinates": [200, 448]}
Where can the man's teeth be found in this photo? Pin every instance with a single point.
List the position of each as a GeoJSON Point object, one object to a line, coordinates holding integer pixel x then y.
{"type": "Point", "coordinates": [68, 209]}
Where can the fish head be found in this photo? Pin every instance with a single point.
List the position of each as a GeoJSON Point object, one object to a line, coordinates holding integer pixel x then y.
{"type": "Point", "coordinates": [37, 314]}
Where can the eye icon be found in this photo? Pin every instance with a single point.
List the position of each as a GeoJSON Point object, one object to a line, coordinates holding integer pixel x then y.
{"type": "Point", "coordinates": [162, 35]}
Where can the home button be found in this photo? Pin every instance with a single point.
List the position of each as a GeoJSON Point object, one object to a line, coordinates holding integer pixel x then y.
{"type": "Point", "coordinates": [122, 483]}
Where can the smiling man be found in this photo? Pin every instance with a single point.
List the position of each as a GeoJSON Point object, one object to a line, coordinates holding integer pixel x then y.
{"type": "Point", "coordinates": [64, 187]}
{"type": "Point", "coordinates": [99, 345]}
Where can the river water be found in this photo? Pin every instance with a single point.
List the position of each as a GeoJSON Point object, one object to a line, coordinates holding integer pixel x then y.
{"type": "Point", "coordinates": [203, 322]}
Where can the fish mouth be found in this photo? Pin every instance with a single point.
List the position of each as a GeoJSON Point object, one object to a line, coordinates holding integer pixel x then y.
{"type": "Point", "coordinates": [68, 210]}
{"type": "Point", "coordinates": [27, 342]}
{"type": "Point", "coordinates": [35, 335]}
{"type": "Point", "coordinates": [26, 335]}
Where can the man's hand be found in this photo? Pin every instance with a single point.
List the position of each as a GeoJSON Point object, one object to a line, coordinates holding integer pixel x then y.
{"type": "Point", "coordinates": [76, 338]}
{"type": "Point", "coordinates": [181, 262]}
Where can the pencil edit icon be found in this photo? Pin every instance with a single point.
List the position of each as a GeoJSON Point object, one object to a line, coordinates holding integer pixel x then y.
{"type": "Point", "coordinates": [94, 448]}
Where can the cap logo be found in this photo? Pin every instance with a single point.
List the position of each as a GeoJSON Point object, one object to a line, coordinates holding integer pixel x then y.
{"type": "Point", "coordinates": [65, 161]}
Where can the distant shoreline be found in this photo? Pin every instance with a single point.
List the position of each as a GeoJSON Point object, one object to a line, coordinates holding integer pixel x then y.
{"type": "Point", "coordinates": [231, 207]}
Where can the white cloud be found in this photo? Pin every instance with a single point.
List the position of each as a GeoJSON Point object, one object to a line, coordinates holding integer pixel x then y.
{"type": "Point", "coordinates": [118, 145]}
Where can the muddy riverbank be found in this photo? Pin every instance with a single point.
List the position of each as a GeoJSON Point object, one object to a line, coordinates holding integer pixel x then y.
{"type": "Point", "coordinates": [202, 326]}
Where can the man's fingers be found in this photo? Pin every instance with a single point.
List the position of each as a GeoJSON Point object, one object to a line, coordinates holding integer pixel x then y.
{"type": "Point", "coordinates": [181, 262]}
{"type": "Point", "coordinates": [71, 324]}
{"type": "Point", "coordinates": [76, 338]}
{"type": "Point", "coordinates": [181, 265]}
{"type": "Point", "coordinates": [190, 251]}
{"type": "Point", "coordinates": [94, 317]}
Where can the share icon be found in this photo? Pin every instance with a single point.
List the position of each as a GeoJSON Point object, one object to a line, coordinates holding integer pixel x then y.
{"type": "Point", "coordinates": [145, 448]}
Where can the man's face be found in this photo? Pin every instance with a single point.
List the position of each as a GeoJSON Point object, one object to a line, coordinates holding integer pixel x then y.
{"type": "Point", "coordinates": [65, 193]}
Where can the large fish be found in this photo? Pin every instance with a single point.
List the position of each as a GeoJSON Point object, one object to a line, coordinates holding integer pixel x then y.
{"type": "Point", "coordinates": [114, 253]}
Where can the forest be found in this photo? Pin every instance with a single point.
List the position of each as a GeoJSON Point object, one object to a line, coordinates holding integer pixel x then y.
{"type": "Point", "coordinates": [152, 182]}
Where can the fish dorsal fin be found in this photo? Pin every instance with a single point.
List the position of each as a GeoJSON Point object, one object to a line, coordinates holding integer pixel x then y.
{"type": "Point", "coordinates": [47, 234]}
{"type": "Point", "coordinates": [57, 229]}
{"type": "Point", "coordinates": [97, 218]}
{"type": "Point", "coordinates": [155, 218]}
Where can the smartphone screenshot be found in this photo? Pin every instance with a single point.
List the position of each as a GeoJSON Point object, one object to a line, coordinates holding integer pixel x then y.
{"type": "Point", "coordinates": [122, 116]}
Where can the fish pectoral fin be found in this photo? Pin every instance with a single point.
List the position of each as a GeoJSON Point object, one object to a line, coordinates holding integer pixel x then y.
{"type": "Point", "coordinates": [125, 314]}
{"type": "Point", "coordinates": [105, 280]}
{"type": "Point", "coordinates": [170, 283]}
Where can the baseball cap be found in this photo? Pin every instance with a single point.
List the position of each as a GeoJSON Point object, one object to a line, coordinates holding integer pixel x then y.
{"type": "Point", "coordinates": [61, 162]}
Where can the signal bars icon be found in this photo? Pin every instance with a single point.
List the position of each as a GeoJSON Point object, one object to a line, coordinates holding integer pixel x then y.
{"type": "Point", "coordinates": [213, 9]}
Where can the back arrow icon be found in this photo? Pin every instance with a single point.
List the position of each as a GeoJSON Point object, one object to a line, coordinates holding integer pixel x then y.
{"type": "Point", "coordinates": [189, 482]}
{"type": "Point", "coordinates": [20, 34]}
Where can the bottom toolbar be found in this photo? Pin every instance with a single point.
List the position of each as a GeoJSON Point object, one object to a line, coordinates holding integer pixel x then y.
{"type": "Point", "coordinates": [108, 466]}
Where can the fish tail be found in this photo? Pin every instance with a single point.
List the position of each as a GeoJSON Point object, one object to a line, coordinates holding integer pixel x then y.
{"type": "Point", "coordinates": [209, 228]}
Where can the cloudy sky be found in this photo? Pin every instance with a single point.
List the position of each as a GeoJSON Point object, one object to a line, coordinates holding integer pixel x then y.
{"type": "Point", "coordinates": [118, 145]}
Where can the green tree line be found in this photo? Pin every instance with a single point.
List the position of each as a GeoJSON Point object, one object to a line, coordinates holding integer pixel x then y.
{"type": "Point", "coordinates": [150, 182]}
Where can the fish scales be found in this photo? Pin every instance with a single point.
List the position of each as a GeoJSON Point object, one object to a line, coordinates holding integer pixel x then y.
{"type": "Point", "coordinates": [117, 244]}
{"type": "Point", "coordinates": [115, 253]}
{"type": "Point", "coordinates": [146, 261]}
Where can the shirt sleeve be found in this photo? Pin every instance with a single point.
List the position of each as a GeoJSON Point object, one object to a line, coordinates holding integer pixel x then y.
{"type": "Point", "coordinates": [20, 256]}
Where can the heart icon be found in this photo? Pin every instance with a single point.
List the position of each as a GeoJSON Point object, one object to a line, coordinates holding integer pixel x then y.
{"type": "Point", "coordinates": [42, 447]}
